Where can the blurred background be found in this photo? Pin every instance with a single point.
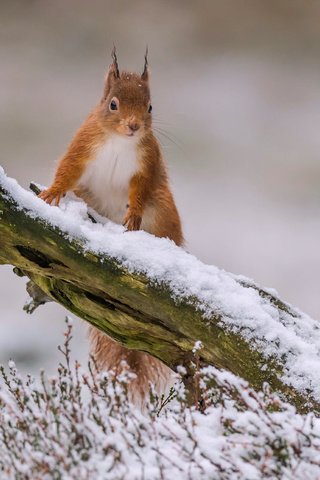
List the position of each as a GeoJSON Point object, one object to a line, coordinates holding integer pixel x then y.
{"type": "Point", "coordinates": [236, 99]}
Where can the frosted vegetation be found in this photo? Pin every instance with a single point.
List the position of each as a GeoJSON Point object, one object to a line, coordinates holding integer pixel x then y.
{"type": "Point", "coordinates": [79, 424]}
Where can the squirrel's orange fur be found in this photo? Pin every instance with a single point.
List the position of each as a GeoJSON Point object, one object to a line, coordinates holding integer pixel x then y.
{"type": "Point", "coordinates": [117, 141]}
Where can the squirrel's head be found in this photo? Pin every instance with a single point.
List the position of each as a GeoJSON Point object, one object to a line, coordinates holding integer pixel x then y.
{"type": "Point", "coordinates": [126, 105]}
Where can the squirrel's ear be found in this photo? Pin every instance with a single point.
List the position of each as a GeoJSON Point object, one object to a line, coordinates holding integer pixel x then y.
{"type": "Point", "coordinates": [113, 73]}
{"type": "Point", "coordinates": [145, 73]}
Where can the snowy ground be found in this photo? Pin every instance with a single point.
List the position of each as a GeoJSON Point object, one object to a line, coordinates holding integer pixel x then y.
{"type": "Point", "coordinates": [75, 425]}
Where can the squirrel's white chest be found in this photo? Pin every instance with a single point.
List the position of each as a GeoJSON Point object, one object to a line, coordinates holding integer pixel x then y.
{"type": "Point", "coordinates": [108, 174]}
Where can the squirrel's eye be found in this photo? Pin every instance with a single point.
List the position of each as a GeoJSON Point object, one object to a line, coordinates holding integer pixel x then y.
{"type": "Point", "coordinates": [150, 109]}
{"type": "Point", "coordinates": [113, 105]}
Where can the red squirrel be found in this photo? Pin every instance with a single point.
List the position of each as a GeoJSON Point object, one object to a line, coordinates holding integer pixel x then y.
{"type": "Point", "coordinates": [114, 163]}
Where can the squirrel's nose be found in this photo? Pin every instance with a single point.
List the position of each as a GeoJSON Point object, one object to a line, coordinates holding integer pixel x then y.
{"type": "Point", "coordinates": [134, 126]}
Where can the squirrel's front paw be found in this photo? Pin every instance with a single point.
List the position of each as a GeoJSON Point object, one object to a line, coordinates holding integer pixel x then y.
{"type": "Point", "coordinates": [51, 195]}
{"type": "Point", "coordinates": [132, 221]}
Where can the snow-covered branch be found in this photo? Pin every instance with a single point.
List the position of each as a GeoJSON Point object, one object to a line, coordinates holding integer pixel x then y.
{"type": "Point", "coordinates": [148, 294]}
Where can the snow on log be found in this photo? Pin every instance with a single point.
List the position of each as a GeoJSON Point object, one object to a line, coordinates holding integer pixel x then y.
{"type": "Point", "coordinates": [151, 295]}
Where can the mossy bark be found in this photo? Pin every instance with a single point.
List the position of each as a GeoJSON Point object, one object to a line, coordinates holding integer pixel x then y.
{"type": "Point", "coordinates": [128, 307]}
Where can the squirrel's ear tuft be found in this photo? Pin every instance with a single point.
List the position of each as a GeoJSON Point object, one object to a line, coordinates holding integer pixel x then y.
{"type": "Point", "coordinates": [145, 73]}
{"type": "Point", "coordinates": [113, 73]}
{"type": "Point", "coordinates": [114, 67]}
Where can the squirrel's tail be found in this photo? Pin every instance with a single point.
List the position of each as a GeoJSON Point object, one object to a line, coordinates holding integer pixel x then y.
{"type": "Point", "coordinates": [110, 355]}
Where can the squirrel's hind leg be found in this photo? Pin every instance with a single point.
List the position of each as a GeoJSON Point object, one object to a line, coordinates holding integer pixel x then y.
{"type": "Point", "coordinates": [110, 355]}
